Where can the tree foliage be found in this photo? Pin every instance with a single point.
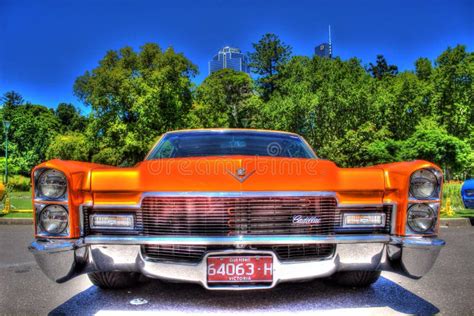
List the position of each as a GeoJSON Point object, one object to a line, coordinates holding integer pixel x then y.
{"type": "Point", "coordinates": [134, 97]}
{"type": "Point", "coordinates": [32, 128]}
{"type": "Point", "coordinates": [433, 143]}
{"type": "Point", "coordinates": [453, 91]}
{"type": "Point", "coordinates": [70, 118]}
{"type": "Point", "coordinates": [70, 146]}
{"type": "Point", "coordinates": [11, 99]}
{"type": "Point", "coordinates": [269, 55]}
{"type": "Point", "coordinates": [382, 69]}
{"type": "Point", "coordinates": [223, 100]}
{"type": "Point", "coordinates": [423, 68]}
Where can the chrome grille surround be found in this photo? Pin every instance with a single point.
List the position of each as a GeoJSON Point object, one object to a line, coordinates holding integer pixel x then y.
{"type": "Point", "coordinates": [226, 216]}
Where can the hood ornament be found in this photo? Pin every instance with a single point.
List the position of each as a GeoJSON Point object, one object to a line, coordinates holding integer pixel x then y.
{"type": "Point", "coordinates": [241, 174]}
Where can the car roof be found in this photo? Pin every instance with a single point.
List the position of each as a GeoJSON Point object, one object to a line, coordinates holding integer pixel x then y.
{"type": "Point", "coordinates": [220, 130]}
{"type": "Point", "coordinates": [468, 184]}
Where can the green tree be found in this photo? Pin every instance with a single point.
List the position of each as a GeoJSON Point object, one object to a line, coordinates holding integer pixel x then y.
{"type": "Point", "coordinates": [382, 69]}
{"type": "Point", "coordinates": [453, 91]}
{"type": "Point", "coordinates": [433, 143]}
{"type": "Point", "coordinates": [269, 55]}
{"type": "Point", "coordinates": [31, 131]}
{"type": "Point", "coordinates": [359, 147]}
{"type": "Point", "coordinates": [222, 100]}
{"type": "Point", "coordinates": [319, 98]}
{"type": "Point", "coordinates": [134, 97]}
{"type": "Point", "coordinates": [403, 102]}
{"type": "Point", "coordinates": [423, 68]}
{"type": "Point", "coordinates": [11, 99]}
{"type": "Point", "coordinates": [70, 146]}
{"type": "Point", "coordinates": [70, 118]}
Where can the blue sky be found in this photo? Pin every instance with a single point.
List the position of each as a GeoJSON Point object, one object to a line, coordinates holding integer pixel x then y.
{"type": "Point", "coordinates": [45, 45]}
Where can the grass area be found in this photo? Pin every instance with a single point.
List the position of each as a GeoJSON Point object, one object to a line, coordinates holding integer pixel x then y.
{"type": "Point", "coordinates": [463, 213]}
{"type": "Point", "coordinates": [21, 200]}
{"type": "Point", "coordinates": [17, 215]}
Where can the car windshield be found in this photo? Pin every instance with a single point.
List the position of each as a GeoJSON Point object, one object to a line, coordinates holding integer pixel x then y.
{"type": "Point", "coordinates": [230, 143]}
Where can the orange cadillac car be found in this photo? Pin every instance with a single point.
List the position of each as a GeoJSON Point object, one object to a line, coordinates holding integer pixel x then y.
{"type": "Point", "coordinates": [235, 209]}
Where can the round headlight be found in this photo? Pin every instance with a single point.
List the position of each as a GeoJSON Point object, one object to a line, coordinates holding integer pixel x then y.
{"type": "Point", "coordinates": [421, 218]}
{"type": "Point", "coordinates": [423, 184]}
{"type": "Point", "coordinates": [52, 184]}
{"type": "Point", "coordinates": [53, 219]}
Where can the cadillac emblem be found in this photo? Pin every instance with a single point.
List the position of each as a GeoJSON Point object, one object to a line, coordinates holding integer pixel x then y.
{"type": "Point", "coordinates": [309, 220]}
{"type": "Point", "coordinates": [240, 174]}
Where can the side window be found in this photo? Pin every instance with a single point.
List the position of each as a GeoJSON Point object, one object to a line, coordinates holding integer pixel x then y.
{"type": "Point", "coordinates": [296, 150]}
{"type": "Point", "coordinates": [166, 150]}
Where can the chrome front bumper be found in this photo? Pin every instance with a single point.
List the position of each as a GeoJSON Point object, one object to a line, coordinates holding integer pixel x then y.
{"type": "Point", "coordinates": [62, 260]}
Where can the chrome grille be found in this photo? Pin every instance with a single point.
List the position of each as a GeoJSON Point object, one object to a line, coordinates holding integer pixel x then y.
{"type": "Point", "coordinates": [195, 253]}
{"type": "Point", "coordinates": [179, 253]}
{"type": "Point", "coordinates": [304, 252]}
{"type": "Point", "coordinates": [224, 216]}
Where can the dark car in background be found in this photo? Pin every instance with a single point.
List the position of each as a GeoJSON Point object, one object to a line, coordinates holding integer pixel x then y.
{"type": "Point", "coordinates": [467, 193]}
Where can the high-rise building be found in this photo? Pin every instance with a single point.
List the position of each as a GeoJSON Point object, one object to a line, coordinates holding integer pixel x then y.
{"type": "Point", "coordinates": [324, 49]}
{"type": "Point", "coordinates": [229, 57]}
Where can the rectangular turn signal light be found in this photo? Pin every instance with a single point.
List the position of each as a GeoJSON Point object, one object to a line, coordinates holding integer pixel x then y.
{"type": "Point", "coordinates": [363, 220]}
{"type": "Point", "coordinates": [112, 221]}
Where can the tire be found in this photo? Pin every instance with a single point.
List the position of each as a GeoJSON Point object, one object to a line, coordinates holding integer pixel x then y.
{"type": "Point", "coordinates": [114, 280]}
{"type": "Point", "coordinates": [356, 278]}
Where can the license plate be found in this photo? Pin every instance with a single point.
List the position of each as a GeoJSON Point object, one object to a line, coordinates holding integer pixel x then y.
{"type": "Point", "coordinates": [239, 269]}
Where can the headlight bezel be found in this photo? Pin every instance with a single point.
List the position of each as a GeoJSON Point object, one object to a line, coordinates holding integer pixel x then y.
{"type": "Point", "coordinates": [39, 195]}
{"type": "Point", "coordinates": [42, 230]}
{"type": "Point", "coordinates": [435, 195]}
{"type": "Point", "coordinates": [433, 208]}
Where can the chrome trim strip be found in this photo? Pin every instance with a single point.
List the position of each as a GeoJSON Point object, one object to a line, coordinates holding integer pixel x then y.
{"type": "Point", "coordinates": [360, 205]}
{"type": "Point", "coordinates": [224, 194]}
{"type": "Point", "coordinates": [43, 201]}
{"type": "Point", "coordinates": [417, 241]}
{"type": "Point", "coordinates": [236, 240]}
{"type": "Point", "coordinates": [393, 218]}
{"type": "Point", "coordinates": [54, 245]}
{"type": "Point", "coordinates": [81, 220]}
{"type": "Point", "coordinates": [116, 207]}
{"type": "Point", "coordinates": [239, 193]}
{"type": "Point", "coordinates": [414, 201]}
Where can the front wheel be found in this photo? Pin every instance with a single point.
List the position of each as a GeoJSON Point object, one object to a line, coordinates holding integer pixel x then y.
{"type": "Point", "coordinates": [114, 280]}
{"type": "Point", "coordinates": [356, 278]}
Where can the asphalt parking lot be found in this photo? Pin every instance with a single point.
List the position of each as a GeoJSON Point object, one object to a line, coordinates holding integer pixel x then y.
{"type": "Point", "coordinates": [447, 289]}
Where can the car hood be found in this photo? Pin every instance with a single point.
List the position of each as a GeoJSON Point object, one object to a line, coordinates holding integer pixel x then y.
{"type": "Point", "coordinates": [236, 173]}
